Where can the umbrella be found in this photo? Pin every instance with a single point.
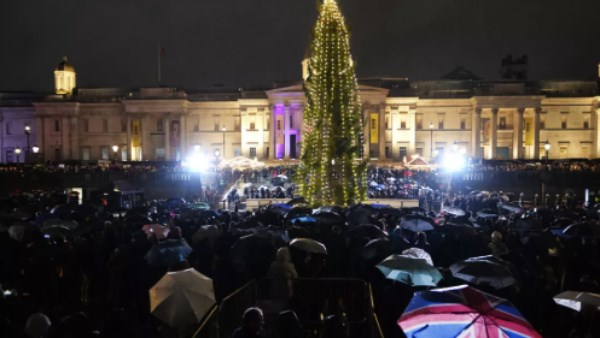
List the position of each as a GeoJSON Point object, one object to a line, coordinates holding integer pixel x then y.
{"type": "Point", "coordinates": [18, 230]}
{"type": "Point", "coordinates": [157, 230]}
{"type": "Point", "coordinates": [377, 247]}
{"type": "Point", "coordinates": [484, 270]}
{"type": "Point", "coordinates": [72, 225]}
{"type": "Point", "coordinates": [416, 223]}
{"type": "Point", "coordinates": [418, 253]}
{"type": "Point", "coordinates": [576, 300]}
{"type": "Point", "coordinates": [584, 229]}
{"type": "Point", "coordinates": [453, 211]}
{"type": "Point", "coordinates": [56, 231]}
{"type": "Point", "coordinates": [169, 252]}
{"type": "Point", "coordinates": [199, 206]}
{"type": "Point", "coordinates": [182, 297]}
{"type": "Point", "coordinates": [366, 230]}
{"type": "Point", "coordinates": [212, 232]}
{"type": "Point", "coordinates": [297, 200]}
{"type": "Point", "coordinates": [329, 218]}
{"type": "Point", "coordinates": [252, 254]}
{"type": "Point", "coordinates": [309, 245]}
{"type": "Point", "coordinates": [298, 211]}
{"type": "Point", "coordinates": [409, 270]}
{"type": "Point", "coordinates": [463, 311]}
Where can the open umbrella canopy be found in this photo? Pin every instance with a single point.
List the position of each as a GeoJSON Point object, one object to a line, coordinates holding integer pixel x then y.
{"type": "Point", "coordinates": [453, 211]}
{"type": "Point", "coordinates": [54, 231]}
{"type": "Point", "coordinates": [577, 300]}
{"type": "Point", "coordinates": [309, 245]}
{"type": "Point", "coordinates": [182, 297]}
{"type": "Point", "coordinates": [158, 230]}
{"type": "Point", "coordinates": [211, 231]}
{"type": "Point", "coordinates": [583, 229]}
{"type": "Point", "coordinates": [369, 231]}
{"type": "Point", "coordinates": [378, 247]}
{"type": "Point", "coordinates": [416, 223]}
{"type": "Point", "coordinates": [409, 270]}
{"type": "Point", "coordinates": [463, 311]}
{"type": "Point", "coordinates": [18, 230]}
{"type": "Point", "coordinates": [418, 253]}
{"type": "Point", "coordinates": [169, 252]}
{"type": "Point", "coordinates": [72, 225]}
{"type": "Point", "coordinates": [484, 270]}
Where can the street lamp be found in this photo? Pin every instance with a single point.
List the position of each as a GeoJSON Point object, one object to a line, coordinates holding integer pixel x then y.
{"type": "Point", "coordinates": [431, 140]}
{"type": "Point", "coordinates": [224, 130]}
{"type": "Point", "coordinates": [27, 132]}
{"type": "Point", "coordinates": [115, 149]}
{"type": "Point", "coordinates": [36, 150]}
{"type": "Point", "coordinates": [18, 153]}
{"type": "Point", "coordinates": [547, 147]}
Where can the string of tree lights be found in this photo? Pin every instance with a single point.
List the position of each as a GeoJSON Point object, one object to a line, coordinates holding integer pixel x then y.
{"type": "Point", "coordinates": [332, 169]}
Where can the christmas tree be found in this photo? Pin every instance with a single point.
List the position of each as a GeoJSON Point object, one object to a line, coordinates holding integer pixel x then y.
{"type": "Point", "coordinates": [332, 169]}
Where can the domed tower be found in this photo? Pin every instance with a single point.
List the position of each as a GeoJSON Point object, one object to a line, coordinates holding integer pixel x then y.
{"type": "Point", "coordinates": [64, 78]}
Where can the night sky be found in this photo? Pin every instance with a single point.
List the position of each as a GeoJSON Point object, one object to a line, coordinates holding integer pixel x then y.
{"type": "Point", "coordinates": [241, 43]}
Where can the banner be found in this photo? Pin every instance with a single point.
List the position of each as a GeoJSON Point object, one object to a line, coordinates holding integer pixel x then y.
{"type": "Point", "coordinates": [529, 131]}
{"type": "Point", "coordinates": [279, 129]}
{"type": "Point", "coordinates": [136, 133]}
{"type": "Point", "coordinates": [374, 128]}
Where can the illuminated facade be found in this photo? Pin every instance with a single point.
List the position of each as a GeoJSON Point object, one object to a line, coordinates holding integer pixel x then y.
{"type": "Point", "coordinates": [507, 119]}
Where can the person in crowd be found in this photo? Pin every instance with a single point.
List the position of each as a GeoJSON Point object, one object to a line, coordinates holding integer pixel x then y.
{"type": "Point", "coordinates": [497, 246]}
{"type": "Point", "coordinates": [282, 272]}
{"type": "Point", "coordinates": [252, 324]}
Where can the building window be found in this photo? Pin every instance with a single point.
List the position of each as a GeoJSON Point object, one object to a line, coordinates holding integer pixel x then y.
{"type": "Point", "coordinates": [440, 124]}
{"type": "Point", "coordinates": [563, 122]}
{"type": "Point", "coordinates": [123, 125]}
{"type": "Point", "coordinates": [252, 124]}
{"type": "Point", "coordinates": [267, 123]}
{"type": "Point", "coordinates": [7, 128]}
{"type": "Point", "coordinates": [104, 126]}
{"type": "Point", "coordinates": [463, 123]}
{"type": "Point", "coordinates": [291, 120]}
{"type": "Point", "coordinates": [419, 151]}
{"type": "Point", "coordinates": [542, 123]}
{"type": "Point", "coordinates": [85, 125]}
{"type": "Point", "coordinates": [278, 124]}
{"type": "Point", "coordinates": [502, 124]}
{"type": "Point", "coordinates": [104, 153]}
{"type": "Point", "coordinates": [217, 125]}
{"type": "Point", "coordinates": [402, 124]}
{"type": "Point", "coordinates": [85, 153]}
{"type": "Point", "coordinates": [196, 126]}
{"type": "Point", "coordinates": [56, 125]}
{"type": "Point", "coordinates": [387, 122]}
{"type": "Point", "coordinates": [252, 152]}
{"type": "Point", "coordinates": [563, 152]}
{"type": "Point", "coordinates": [419, 123]}
{"type": "Point", "coordinates": [160, 125]}
{"type": "Point", "coordinates": [236, 123]}
{"type": "Point", "coordinates": [403, 152]}
{"type": "Point", "coordinates": [586, 123]}
{"type": "Point", "coordinates": [387, 152]}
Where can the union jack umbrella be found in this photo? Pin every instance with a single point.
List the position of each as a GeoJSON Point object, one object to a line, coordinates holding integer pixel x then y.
{"type": "Point", "coordinates": [463, 312]}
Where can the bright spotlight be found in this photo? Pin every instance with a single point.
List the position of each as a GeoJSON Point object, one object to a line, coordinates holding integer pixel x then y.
{"type": "Point", "coordinates": [196, 163]}
{"type": "Point", "coordinates": [453, 162]}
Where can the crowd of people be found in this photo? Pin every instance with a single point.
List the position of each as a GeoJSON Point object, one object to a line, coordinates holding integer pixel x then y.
{"type": "Point", "coordinates": [93, 280]}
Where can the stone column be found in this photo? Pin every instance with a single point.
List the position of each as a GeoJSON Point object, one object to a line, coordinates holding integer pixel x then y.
{"type": "Point", "coordinates": [381, 114]}
{"type": "Point", "coordinates": [272, 132]}
{"type": "Point", "coordinates": [536, 133]}
{"type": "Point", "coordinates": [129, 148]}
{"type": "Point", "coordinates": [412, 131]}
{"type": "Point", "coordinates": [144, 134]}
{"type": "Point", "coordinates": [476, 132]}
{"type": "Point", "coordinates": [2, 152]}
{"type": "Point", "coordinates": [183, 130]}
{"type": "Point", "coordinates": [493, 133]}
{"type": "Point", "coordinates": [286, 131]}
{"type": "Point", "coordinates": [167, 129]}
{"type": "Point", "coordinates": [65, 139]}
{"type": "Point", "coordinates": [74, 132]}
{"type": "Point", "coordinates": [597, 134]}
{"type": "Point", "coordinates": [394, 116]}
{"type": "Point", "coordinates": [518, 134]}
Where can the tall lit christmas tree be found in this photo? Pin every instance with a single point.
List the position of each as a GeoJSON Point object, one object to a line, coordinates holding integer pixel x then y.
{"type": "Point", "coordinates": [332, 169]}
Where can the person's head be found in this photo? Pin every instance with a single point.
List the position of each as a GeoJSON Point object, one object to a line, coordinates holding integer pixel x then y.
{"type": "Point", "coordinates": [496, 237]}
{"type": "Point", "coordinates": [253, 319]}
{"type": "Point", "coordinates": [283, 255]}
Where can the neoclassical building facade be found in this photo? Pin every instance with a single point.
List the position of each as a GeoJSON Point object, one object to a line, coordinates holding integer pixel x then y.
{"type": "Point", "coordinates": [503, 119]}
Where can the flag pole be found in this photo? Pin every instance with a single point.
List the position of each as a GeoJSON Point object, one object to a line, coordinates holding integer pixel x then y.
{"type": "Point", "coordinates": [159, 56]}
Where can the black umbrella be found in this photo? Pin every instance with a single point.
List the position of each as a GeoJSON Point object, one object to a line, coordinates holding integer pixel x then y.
{"type": "Point", "coordinates": [298, 211]}
{"type": "Point", "coordinates": [366, 230]}
{"type": "Point", "coordinates": [329, 218]}
{"type": "Point", "coordinates": [168, 252]}
{"type": "Point", "coordinates": [377, 248]}
{"type": "Point", "coordinates": [417, 223]}
{"type": "Point", "coordinates": [484, 270]}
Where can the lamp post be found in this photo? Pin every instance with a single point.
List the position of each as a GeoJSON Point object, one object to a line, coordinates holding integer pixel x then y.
{"type": "Point", "coordinates": [36, 150]}
{"type": "Point", "coordinates": [547, 148]}
{"type": "Point", "coordinates": [27, 132]}
{"type": "Point", "coordinates": [431, 140]}
{"type": "Point", "coordinates": [18, 153]}
{"type": "Point", "coordinates": [115, 149]}
{"type": "Point", "coordinates": [223, 130]}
